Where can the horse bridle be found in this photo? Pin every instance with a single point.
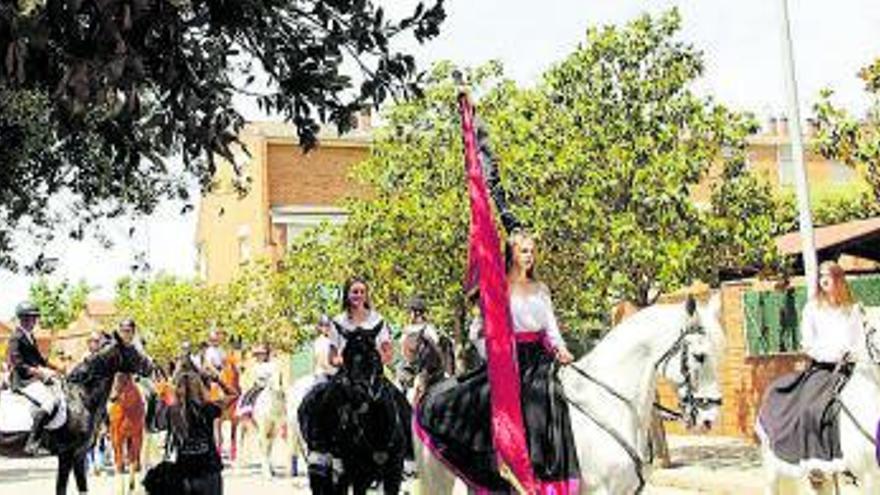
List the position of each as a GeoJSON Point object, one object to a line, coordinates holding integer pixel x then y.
{"type": "Point", "coordinates": [692, 404]}
{"type": "Point", "coordinates": [689, 402]}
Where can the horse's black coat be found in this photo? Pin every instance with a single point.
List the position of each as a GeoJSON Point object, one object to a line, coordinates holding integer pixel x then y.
{"type": "Point", "coordinates": [359, 418]}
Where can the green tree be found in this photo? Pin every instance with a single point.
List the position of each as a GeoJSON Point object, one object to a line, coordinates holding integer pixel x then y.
{"type": "Point", "coordinates": [854, 141]}
{"type": "Point", "coordinates": [170, 310]}
{"type": "Point", "coordinates": [603, 159]}
{"type": "Point", "coordinates": [115, 88]}
{"type": "Point", "coordinates": [59, 304]}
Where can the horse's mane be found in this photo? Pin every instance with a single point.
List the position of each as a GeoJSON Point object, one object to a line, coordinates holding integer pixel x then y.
{"type": "Point", "coordinates": [89, 369]}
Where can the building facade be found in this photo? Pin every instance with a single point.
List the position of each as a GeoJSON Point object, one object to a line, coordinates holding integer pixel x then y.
{"type": "Point", "coordinates": [288, 191]}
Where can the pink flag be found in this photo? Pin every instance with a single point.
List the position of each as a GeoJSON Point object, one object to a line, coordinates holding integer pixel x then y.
{"type": "Point", "coordinates": [486, 270]}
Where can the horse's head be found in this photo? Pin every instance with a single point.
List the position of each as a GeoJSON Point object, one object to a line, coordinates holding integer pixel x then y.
{"type": "Point", "coordinates": [361, 361]}
{"type": "Point", "coordinates": [422, 356]}
{"type": "Point", "coordinates": [114, 357]}
{"type": "Point", "coordinates": [691, 363]}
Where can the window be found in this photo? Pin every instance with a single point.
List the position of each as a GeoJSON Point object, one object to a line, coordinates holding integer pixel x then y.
{"type": "Point", "coordinates": [785, 163]}
{"type": "Point", "coordinates": [202, 261]}
{"type": "Point", "coordinates": [841, 173]}
{"type": "Point", "coordinates": [298, 219]}
{"type": "Point", "coordinates": [244, 249]}
{"type": "Point", "coordinates": [244, 244]}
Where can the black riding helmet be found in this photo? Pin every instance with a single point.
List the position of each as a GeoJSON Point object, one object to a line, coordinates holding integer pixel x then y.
{"type": "Point", "coordinates": [26, 308]}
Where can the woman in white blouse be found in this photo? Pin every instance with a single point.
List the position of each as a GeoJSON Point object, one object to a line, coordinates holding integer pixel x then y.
{"type": "Point", "coordinates": [831, 325]}
{"type": "Point", "coordinates": [456, 416]}
{"type": "Point", "coordinates": [358, 314]}
{"type": "Point", "coordinates": [799, 416]}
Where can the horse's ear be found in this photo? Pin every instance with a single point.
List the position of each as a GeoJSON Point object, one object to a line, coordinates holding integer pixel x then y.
{"type": "Point", "coordinates": [118, 339]}
{"type": "Point", "coordinates": [339, 327]}
{"type": "Point", "coordinates": [690, 305]}
{"type": "Point", "coordinates": [376, 329]}
{"type": "Point", "coordinates": [714, 306]}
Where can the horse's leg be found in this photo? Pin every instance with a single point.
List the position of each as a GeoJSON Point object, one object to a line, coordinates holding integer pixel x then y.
{"type": "Point", "coordinates": [218, 434]}
{"type": "Point", "coordinates": [233, 438]}
{"type": "Point", "coordinates": [266, 443]}
{"type": "Point", "coordinates": [79, 473]}
{"type": "Point", "coordinates": [392, 479]}
{"type": "Point", "coordinates": [65, 464]}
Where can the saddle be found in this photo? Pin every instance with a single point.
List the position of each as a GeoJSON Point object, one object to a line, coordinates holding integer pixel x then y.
{"type": "Point", "coordinates": [16, 412]}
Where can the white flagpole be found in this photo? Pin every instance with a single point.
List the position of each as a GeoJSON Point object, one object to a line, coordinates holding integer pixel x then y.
{"type": "Point", "coordinates": [808, 245]}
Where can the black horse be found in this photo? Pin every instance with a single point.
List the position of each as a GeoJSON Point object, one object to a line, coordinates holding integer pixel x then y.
{"type": "Point", "coordinates": [359, 420]}
{"type": "Point", "coordinates": [86, 389]}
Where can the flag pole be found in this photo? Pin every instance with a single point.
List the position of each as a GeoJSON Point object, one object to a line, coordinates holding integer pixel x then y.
{"type": "Point", "coordinates": [808, 245]}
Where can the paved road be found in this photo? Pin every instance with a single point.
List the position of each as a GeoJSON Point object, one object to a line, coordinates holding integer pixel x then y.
{"type": "Point", "coordinates": [36, 477]}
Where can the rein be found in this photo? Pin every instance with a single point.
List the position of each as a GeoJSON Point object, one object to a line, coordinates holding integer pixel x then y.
{"type": "Point", "coordinates": [689, 398]}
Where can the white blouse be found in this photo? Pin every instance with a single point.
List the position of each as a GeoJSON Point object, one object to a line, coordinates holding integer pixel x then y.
{"type": "Point", "coordinates": [531, 312]}
{"type": "Point", "coordinates": [323, 347]}
{"type": "Point", "coordinates": [373, 319]}
{"type": "Point", "coordinates": [827, 333]}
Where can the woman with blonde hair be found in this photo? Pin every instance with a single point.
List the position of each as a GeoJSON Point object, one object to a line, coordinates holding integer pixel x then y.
{"type": "Point", "coordinates": [455, 415]}
{"type": "Point", "coordinates": [799, 415]}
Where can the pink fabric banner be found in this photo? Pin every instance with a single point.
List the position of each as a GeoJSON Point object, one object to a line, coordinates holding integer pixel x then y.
{"type": "Point", "coordinates": [486, 271]}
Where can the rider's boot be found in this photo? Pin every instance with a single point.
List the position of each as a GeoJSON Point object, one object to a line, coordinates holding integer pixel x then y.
{"type": "Point", "coordinates": [33, 447]}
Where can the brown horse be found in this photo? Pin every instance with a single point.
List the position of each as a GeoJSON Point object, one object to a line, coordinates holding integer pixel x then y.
{"type": "Point", "coordinates": [230, 377]}
{"type": "Point", "coordinates": [127, 413]}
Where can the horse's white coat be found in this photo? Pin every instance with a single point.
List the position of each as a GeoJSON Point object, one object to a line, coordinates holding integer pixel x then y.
{"type": "Point", "coordinates": [625, 359]}
{"type": "Point", "coordinates": [861, 396]}
{"type": "Point", "coordinates": [269, 416]}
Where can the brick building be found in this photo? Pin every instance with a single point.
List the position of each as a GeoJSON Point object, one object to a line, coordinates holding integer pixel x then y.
{"type": "Point", "coordinates": [289, 191]}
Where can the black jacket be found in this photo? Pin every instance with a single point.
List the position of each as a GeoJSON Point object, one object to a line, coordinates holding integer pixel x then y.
{"type": "Point", "coordinates": [22, 355]}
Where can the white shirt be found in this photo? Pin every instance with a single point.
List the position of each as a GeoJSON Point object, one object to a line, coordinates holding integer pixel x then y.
{"type": "Point", "coordinates": [429, 331]}
{"type": "Point", "coordinates": [264, 371]}
{"type": "Point", "coordinates": [827, 333]}
{"type": "Point", "coordinates": [214, 356]}
{"type": "Point", "coordinates": [373, 319]}
{"type": "Point", "coordinates": [530, 312]}
{"type": "Point", "coordinates": [321, 349]}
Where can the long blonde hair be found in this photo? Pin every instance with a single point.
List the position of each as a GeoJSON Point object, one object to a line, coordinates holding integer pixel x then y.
{"type": "Point", "coordinates": [516, 239]}
{"type": "Point", "coordinates": [841, 294]}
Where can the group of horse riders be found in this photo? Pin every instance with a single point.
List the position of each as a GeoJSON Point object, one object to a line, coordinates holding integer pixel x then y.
{"type": "Point", "coordinates": [794, 417]}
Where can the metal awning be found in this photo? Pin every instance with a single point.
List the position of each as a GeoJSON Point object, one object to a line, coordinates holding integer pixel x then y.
{"type": "Point", "coordinates": [857, 238]}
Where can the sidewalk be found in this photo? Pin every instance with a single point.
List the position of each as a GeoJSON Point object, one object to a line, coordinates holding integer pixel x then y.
{"type": "Point", "coordinates": [715, 465]}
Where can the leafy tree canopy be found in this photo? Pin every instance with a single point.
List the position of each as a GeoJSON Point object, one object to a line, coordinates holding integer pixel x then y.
{"type": "Point", "coordinates": [96, 96]}
{"type": "Point", "coordinates": [633, 183]}
{"type": "Point", "coordinates": [60, 304]}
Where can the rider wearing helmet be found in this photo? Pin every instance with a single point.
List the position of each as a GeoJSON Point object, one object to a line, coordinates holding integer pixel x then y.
{"type": "Point", "coordinates": [30, 370]}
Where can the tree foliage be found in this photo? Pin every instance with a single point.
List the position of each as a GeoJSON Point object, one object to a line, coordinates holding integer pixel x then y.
{"type": "Point", "coordinates": [854, 141]}
{"type": "Point", "coordinates": [96, 96]}
{"type": "Point", "coordinates": [60, 304]}
{"type": "Point", "coordinates": [603, 160]}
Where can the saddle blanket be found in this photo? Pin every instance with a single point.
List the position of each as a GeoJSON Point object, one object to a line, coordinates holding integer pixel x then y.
{"type": "Point", "coordinates": [16, 413]}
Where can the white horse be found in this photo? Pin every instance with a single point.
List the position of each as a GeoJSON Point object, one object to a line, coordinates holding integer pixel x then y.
{"type": "Point", "coordinates": [269, 416]}
{"type": "Point", "coordinates": [295, 395]}
{"type": "Point", "coordinates": [611, 394]}
{"type": "Point", "coordinates": [859, 417]}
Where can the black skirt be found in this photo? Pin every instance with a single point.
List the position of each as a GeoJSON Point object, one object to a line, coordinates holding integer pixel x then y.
{"type": "Point", "coordinates": [455, 416]}
{"type": "Point", "coordinates": [799, 416]}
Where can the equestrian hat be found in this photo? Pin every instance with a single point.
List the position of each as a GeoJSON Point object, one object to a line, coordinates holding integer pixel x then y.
{"type": "Point", "coordinates": [417, 303]}
{"type": "Point", "coordinates": [26, 308]}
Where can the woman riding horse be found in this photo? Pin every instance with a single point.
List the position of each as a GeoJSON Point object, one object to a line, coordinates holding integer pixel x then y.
{"type": "Point", "coordinates": [799, 415]}
{"type": "Point", "coordinates": [340, 418]}
{"type": "Point", "coordinates": [455, 415]}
